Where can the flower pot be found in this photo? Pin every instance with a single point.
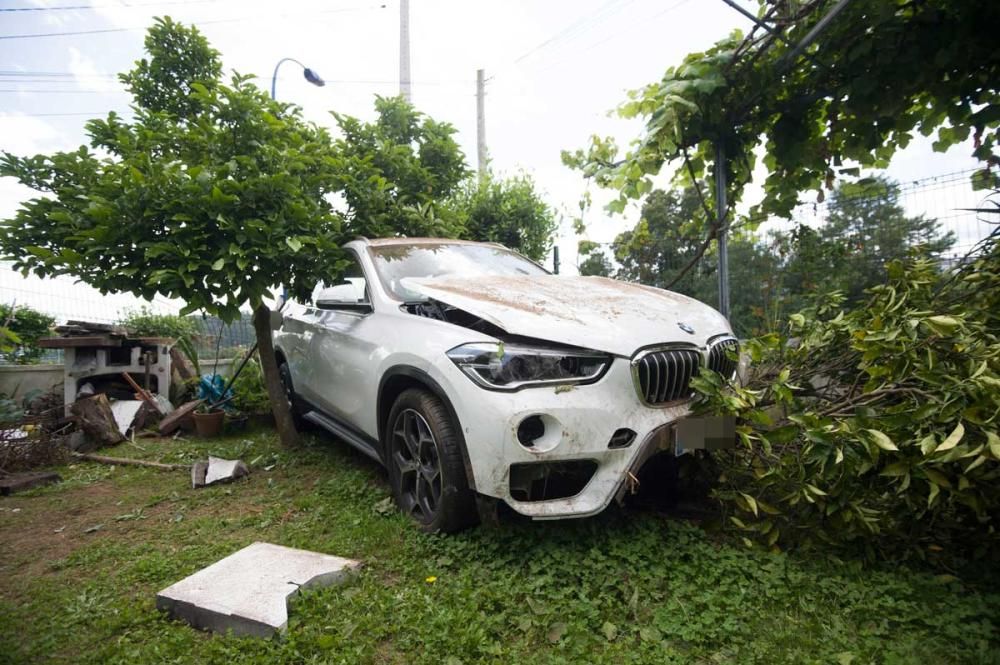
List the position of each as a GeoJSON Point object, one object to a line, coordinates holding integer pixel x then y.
{"type": "Point", "coordinates": [209, 424]}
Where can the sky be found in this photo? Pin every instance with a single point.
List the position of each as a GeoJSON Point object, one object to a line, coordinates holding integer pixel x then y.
{"type": "Point", "coordinates": [554, 68]}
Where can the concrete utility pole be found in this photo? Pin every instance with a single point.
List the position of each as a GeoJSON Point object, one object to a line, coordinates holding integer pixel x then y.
{"type": "Point", "coordinates": [404, 50]}
{"type": "Point", "coordinates": [720, 212]}
{"type": "Point", "coordinates": [481, 122]}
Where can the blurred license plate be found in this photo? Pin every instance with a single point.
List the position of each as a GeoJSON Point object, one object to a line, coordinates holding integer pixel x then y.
{"type": "Point", "coordinates": [708, 433]}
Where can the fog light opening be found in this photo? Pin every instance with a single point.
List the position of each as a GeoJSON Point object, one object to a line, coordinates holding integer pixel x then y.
{"type": "Point", "coordinates": [530, 430]}
{"type": "Point", "coordinates": [622, 438]}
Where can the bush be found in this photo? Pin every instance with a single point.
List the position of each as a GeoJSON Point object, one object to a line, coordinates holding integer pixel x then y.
{"type": "Point", "coordinates": [249, 392]}
{"type": "Point", "coordinates": [27, 327]}
{"type": "Point", "coordinates": [874, 427]}
{"type": "Point", "coordinates": [146, 323]}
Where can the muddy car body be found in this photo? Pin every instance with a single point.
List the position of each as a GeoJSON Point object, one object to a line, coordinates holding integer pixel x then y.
{"type": "Point", "coordinates": [469, 370]}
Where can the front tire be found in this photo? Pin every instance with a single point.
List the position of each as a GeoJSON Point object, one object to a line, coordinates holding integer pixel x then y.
{"type": "Point", "coordinates": [426, 469]}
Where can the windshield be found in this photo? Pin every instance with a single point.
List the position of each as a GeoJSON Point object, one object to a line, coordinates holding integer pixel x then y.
{"type": "Point", "coordinates": [398, 261]}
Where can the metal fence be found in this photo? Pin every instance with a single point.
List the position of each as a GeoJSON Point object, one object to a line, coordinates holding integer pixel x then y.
{"type": "Point", "coordinates": [842, 242]}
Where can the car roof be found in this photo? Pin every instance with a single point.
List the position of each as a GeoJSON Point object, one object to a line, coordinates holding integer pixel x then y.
{"type": "Point", "coordinates": [381, 242]}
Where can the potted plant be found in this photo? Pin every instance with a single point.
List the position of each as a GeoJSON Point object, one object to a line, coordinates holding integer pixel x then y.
{"type": "Point", "coordinates": [208, 420]}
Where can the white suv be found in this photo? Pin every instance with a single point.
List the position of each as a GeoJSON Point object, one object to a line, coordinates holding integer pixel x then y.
{"type": "Point", "coordinates": [471, 372]}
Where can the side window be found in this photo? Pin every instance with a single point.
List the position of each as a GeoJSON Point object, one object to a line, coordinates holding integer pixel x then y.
{"type": "Point", "coordinates": [349, 289]}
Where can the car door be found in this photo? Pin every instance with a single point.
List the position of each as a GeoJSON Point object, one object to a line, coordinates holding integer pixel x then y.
{"type": "Point", "coordinates": [342, 354]}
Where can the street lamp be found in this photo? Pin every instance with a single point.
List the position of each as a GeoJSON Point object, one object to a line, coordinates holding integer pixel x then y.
{"type": "Point", "coordinates": [309, 75]}
{"type": "Point", "coordinates": [317, 81]}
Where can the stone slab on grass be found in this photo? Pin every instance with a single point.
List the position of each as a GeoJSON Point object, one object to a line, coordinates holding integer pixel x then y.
{"type": "Point", "coordinates": [248, 591]}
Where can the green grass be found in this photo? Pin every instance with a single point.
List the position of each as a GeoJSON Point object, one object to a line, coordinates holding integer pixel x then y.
{"type": "Point", "coordinates": [621, 588]}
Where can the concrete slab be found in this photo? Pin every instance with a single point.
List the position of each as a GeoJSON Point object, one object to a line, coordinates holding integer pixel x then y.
{"type": "Point", "coordinates": [217, 470]}
{"type": "Point", "coordinates": [248, 591]}
{"type": "Point", "coordinates": [124, 412]}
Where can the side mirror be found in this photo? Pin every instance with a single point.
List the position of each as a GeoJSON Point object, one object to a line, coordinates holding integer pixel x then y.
{"type": "Point", "coordinates": [349, 296]}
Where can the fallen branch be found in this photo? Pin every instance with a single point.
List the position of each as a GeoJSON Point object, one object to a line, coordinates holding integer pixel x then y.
{"type": "Point", "coordinates": [135, 462]}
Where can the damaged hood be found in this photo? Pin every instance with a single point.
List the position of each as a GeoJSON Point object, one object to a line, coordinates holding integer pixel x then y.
{"type": "Point", "coordinates": [589, 312]}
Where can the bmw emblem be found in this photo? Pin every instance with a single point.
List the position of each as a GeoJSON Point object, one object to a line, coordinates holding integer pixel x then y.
{"type": "Point", "coordinates": [685, 327]}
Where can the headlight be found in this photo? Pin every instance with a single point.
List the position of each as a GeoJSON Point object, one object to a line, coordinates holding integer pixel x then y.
{"type": "Point", "coordinates": [511, 366]}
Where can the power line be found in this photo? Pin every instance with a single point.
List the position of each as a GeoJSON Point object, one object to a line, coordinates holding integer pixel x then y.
{"type": "Point", "coordinates": [629, 28]}
{"type": "Point", "coordinates": [65, 92]}
{"type": "Point", "coordinates": [109, 6]}
{"type": "Point", "coordinates": [92, 114]}
{"type": "Point", "coordinates": [569, 29]}
{"type": "Point", "coordinates": [239, 19]}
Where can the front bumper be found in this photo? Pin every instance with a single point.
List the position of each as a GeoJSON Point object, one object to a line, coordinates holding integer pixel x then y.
{"type": "Point", "coordinates": [580, 422]}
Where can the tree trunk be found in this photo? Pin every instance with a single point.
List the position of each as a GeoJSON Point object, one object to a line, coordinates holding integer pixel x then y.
{"type": "Point", "coordinates": [272, 380]}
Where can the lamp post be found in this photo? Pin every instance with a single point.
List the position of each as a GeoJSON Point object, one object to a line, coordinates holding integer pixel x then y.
{"type": "Point", "coordinates": [309, 75]}
{"type": "Point", "coordinates": [317, 81]}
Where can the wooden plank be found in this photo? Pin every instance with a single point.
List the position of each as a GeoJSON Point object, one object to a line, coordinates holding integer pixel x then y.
{"type": "Point", "coordinates": [143, 395]}
{"type": "Point", "coordinates": [173, 421]}
{"type": "Point", "coordinates": [18, 482]}
{"type": "Point", "coordinates": [183, 366]}
{"type": "Point", "coordinates": [164, 341]}
{"type": "Point", "coordinates": [76, 342]}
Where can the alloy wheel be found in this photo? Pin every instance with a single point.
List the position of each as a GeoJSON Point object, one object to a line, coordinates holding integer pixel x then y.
{"type": "Point", "coordinates": [415, 454]}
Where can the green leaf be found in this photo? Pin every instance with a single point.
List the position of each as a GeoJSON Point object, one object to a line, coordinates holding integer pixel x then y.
{"type": "Point", "coordinates": [556, 631]}
{"type": "Point", "coordinates": [896, 469]}
{"type": "Point", "coordinates": [294, 243]}
{"type": "Point", "coordinates": [610, 631]}
{"type": "Point", "coordinates": [943, 325]}
{"type": "Point", "coordinates": [218, 264]}
{"type": "Point", "coordinates": [650, 634]}
{"type": "Point", "coordinates": [882, 440]}
{"type": "Point", "coordinates": [994, 442]}
{"type": "Point", "coordinates": [937, 478]}
{"type": "Point", "coordinates": [751, 502]}
{"type": "Point", "coordinates": [953, 439]}
{"type": "Point", "coordinates": [933, 494]}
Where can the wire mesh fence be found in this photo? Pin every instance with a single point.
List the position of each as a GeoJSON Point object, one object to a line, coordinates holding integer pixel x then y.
{"type": "Point", "coordinates": [842, 243]}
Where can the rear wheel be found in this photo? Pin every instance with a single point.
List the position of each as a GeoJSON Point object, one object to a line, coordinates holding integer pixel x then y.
{"type": "Point", "coordinates": [426, 470]}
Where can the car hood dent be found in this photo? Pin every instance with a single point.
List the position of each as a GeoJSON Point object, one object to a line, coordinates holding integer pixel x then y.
{"type": "Point", "coordinates": [590, 312]}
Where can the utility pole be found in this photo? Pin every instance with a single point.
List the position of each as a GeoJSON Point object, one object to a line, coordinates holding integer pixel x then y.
{"type": "Point", "coordinates": [404, 50]}
{"type": "Point", "coordinates": [481, 122]}
{"type": "Point", "coordinates": [720, 213]}
{"type": "Point", "coordinates": [555, 259]}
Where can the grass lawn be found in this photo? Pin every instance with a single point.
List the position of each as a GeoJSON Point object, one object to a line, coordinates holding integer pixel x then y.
{"type": "Point", "coordinates": [81, 562]}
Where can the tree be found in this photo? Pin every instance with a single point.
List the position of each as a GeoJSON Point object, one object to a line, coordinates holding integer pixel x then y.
{"type": "Point", "coordinates": [508, 211]}
{"type": "Point", "coordinates": [596, 264]}
{"type": "Point", "coordinates": [663, 242]}
{"type": "Point", "coordinates": [395, 173]}
{"type": "Point", "coordinates": [667, 239]}
{"type": "Point", "coordinates": [866, 229]}
{"type": "Point", "coordinates": [213, 194]}
{"type": "Point", "coordinates": [27, 326]}
{"type": "Point", "coordinates": [878, 72]}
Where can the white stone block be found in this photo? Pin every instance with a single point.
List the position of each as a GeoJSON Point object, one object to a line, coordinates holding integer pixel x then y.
{"type": "Point", "coordinates": [248, 591]}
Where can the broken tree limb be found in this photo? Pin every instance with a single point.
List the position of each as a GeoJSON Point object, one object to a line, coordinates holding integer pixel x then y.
{"type": "Point", "coordinates": [134, 462]}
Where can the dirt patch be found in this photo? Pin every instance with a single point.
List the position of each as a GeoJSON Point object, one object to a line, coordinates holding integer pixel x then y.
{"type": "Point", "coordinates": [37, 531]}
